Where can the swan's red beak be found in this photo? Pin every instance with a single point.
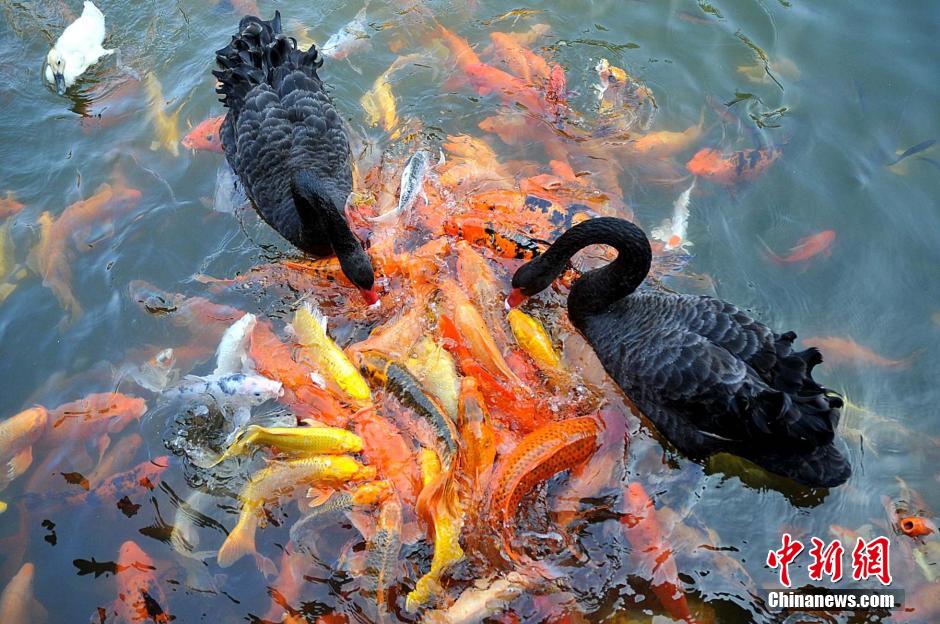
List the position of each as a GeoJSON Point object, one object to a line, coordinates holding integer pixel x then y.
{"type": "Point", "coordinates": [371, 297]}
{"type": "Point", "coordinates": [515, 298]}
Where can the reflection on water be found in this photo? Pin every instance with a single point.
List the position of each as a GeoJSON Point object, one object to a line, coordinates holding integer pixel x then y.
{"type": "Point", "coordinates": [125, 256]}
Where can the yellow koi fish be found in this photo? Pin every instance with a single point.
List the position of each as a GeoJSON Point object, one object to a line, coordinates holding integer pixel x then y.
{"type": "Point", "coordinates": [434, 367]}
{"type": "Point", "coordinates": [379, 103]}
{"type": "Point", "coordinates": [17, 436]}
{"type": "Point", "coordinates": [278, 480]}
{"type": "Point", "coordinates": [166, 126]}
{"type": "Point", "coordinates": [531, 336]}
{"type": "Point", "coordinates": [319, 349]}
{"type": "Point", "coordinates": [665, 143]}
{"type": "Point", "coordinates": [294, 441]}
{"type": "Point", "coordinates": [447, 527]}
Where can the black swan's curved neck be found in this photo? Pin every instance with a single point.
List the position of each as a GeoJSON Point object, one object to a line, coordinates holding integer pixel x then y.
{"type": "Point", "coordinates": [596, 290]}
{"type": "Point", "coordinates": [320, 212]}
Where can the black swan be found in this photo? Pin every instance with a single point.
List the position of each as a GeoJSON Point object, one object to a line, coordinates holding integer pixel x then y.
{"type": "Point", "coordinates": [711, 378]}
{"type": "Point", "coordinates": [287, 144]}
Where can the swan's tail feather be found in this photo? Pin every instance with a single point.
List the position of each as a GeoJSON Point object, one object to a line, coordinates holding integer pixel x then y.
{"type": "Point", "coordinates": [260, 53]}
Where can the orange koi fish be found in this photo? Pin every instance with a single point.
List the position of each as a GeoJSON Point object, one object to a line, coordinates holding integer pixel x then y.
{"type": "Point", "coordinates": [384, 447]}
{"type": "Point", "coordinates": [471, 326]}
{"type": "Point", "coordinates": [664, 143]}
{"type": "Point", "coordinates": [17, 435]}
{"type": "Point", "coordinates": [274, 360]}
{"type": "Point", "coordinates": [548, 450]}
{"type": "Point", "coordinates": [650, 549]}
{"type": "Point", "coordinates": [807, 247]}
{"type": "Point", "coordinates": [145, 476]}
{"type": "Point", "coordinates": [205, 136]}
{"type": "Point", "coordinates": [117, 458]}
{"type": "Point", "coordinates": [17, 603]}
{"type": "Point", "coordinates": [483, 233]}
{"type": "Point", "coordinates": [92, 418]}
{"type": "Point", "coordinates": [139, 595]}
{"type": "Point", "coordinates": [285, 590]}
{"type": "Point", "coordinates": [730, 169]}
{"type": "Point", "coordinates": [477, 435]}
{"type": "Point", "coordinates": [485, 290]}
{"type": "Point", "coordinates": [838, 350]}
{"type": "Point", "coordinates": [487, 79]}
{"type": "Point", "coordinates": [520, 60]}
{"type": "Point", "coordinates": [53, 256]}
{"type": "Point", "coordinates": [9, 206]}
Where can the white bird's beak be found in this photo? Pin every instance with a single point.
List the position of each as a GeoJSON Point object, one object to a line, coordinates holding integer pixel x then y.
{"type": "Point", "coordinates": [59, 83]}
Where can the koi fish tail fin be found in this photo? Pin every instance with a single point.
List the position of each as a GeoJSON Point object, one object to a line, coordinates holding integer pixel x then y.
{"type": "Point", "coordinates": [770, 253]}
{"type": "Point", "coordinates": [241, 541]}
{"type": "Point", "coordinates": [440, 494]}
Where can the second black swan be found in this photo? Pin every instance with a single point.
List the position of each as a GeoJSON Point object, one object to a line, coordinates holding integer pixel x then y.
{"type": "Point", "coordinates": [711, 378]}
{"type": "Point", "coordinates": [287, 144]}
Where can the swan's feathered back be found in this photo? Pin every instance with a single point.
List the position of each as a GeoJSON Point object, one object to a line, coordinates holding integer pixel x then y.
{"type": "Point", "coordinates": [282, 130]}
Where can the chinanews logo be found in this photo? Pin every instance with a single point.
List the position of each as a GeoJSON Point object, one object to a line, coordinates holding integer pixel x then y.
{"type": "Point", "coordinates": [869, 560]}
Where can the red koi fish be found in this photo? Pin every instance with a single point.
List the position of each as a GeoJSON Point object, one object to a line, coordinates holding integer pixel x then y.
{"type": "Point", "coordinates": [9, 206]}
{"type": "Point", "coordinates": [807, 247]}
{"type": "Point", "coordinates": [384, 447]}
{"type": "Point", "coordinates": [650, 549]}
{"type": "Point", "coordinates": [205, 136]}
{"type": "Point", "coordinates": [551, 449]}
{"type": "Point", "coordinates": [139, 595]}
{"type": "Point", "coordinates": [730, 169]}
{"type": "Point", "coordinates": [92, 418]}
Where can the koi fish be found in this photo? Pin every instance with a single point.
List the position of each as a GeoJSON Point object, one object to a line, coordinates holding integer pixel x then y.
{"type": "Point", "coordinates": [91, 418]}
{"type": "Point", "coordinates": [53, 255]}
{"type": "Point", "coordinates": [385, 448]}
{"type": "Point", "coordinates": [471, 326]}
{"type": "Point", "coordinates": [412, 186]}
{"type": "Point", "coordinates": [550, 449]}
{"type": "Point", "coordinates": [650, 549]}
{"type": "Point", "coordinates": [233, 387]}
{"type": "Point", "coordinates": [730, 169]}
{"type": "Point", "coordinates": [9, 206]}
{"type": "Point", "coordinates": [166, 127]}
{"type": "Point", "coordinates": [293, 441]}
{"type": "Point", "coordinates": [436, 371]}
{"type": "Point", "coordinates": [146, 476]}
{"type": "Point", "coordinates": [758, 72]}
{"type": "Point", "coordinates": [286, 589]}
{"type": "Point", "coordinates": [534, 340]}
{"type": "Point", "coordinates": [328, 359]}
{"type": "Point", "coordinates": [477, 604]}
{"type": "Point", "coordinates": [157, 372]}
{"type": "Point", "coordinates": [379, 101]}
{"type": "Point", "coordinates": [484, 288]}
{"type": "Point", "coordinates": [117, 458]}
{"type": "Point", "coordinates": [353, 37]}
{"type": "Point", "coordinates": [806, 248]}
{"type": "Point", "coordinates": [18, 605]}
{"type": "Point", "coordinates": [273, 360]}
{"type": "Point", "coordinates": [674, 232]}
{"type": "Point", "coordinates": [17, 435]}
{"type": "Point", "coordinates": [402, 384]}
{"type": "Point", "coordinates": [843, 351]}
{"type": "Point", "coordinates": [520, 60]}
{"type": "Point", "coordinates": [381, 565]}
{"type": "Point", "coordinates": [276, 481]}
{"type": "Point", "coordinates": [472, 162]}
{"type": "Point", "coordinates": [205, 136]}
{"type": "Point", "coordinates": [139, 595]}
{"type": "Point", "coordinates": [447, 527]}
{"type": "Point", "coordinates": [8, 280]}
{"type": "Point", "coordinates": [488, 80]}
{"type": "Point", "coordinates": [483, 233]}
{"type": "Point", "coordinates": [304, 532]}
{"type": "Point", "coordinates": [665, 143]}
{"type": "Point", "coordinates": [476, 432]}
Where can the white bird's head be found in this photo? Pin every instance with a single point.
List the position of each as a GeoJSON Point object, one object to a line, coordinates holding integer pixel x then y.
{"type": "Point", "coordinates": [56, 66]}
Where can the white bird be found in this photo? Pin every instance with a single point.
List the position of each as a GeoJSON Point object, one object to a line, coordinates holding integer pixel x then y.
{"type": "Point", "coordinates": [78, 48]}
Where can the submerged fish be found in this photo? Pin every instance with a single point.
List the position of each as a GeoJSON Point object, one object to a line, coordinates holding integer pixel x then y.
{"type": "Point", "coordinates": [534, 340]}
{"type": "Point", "coordinates": [477, 604]}
{"type": "Point", "coordinates": [233, 387]}
{"type": "Point", "coordinates": [447, 524]}
{"type": "Point", "coordinates": [550, 449]}
{"type": "Point", "coordinates": [305, 531]}
{"type": "Point", "coordinates": [9, 206]}
{"type": "Point", "coordinates": [379, 101]}
{"type": "Point", "coordinates": [664, 143]}
{"type": "Point", "coordinates": [674, 232]}
{"type": "Point", "coordinates": [278, 480]}
{"type": "Point", "coordinates": [381, 564]}
{"type": "Point", "coordinates": [205, 136]}
{"type": "Point", "coordinates": [477, 436]}
{"type": "Point", "coordinates": [328, 359]}
{"type": "Point", "coordinates": [807, 247]}
{"type": "Point", "coordinates": [412, 186]}
{"type": "Point", "coordinates": [139, 594]}
{"type": "Point", "coordinates": [839, 350]}
{"type": "Point", "coordinates": [353, 37]}
{"type": "Point", "coordinates": [435, 369]}
{"type": "Point", "coordinates": [18, 605]}
{"type": "Point", "coordinates": [166, 127]}
{"type": "Point", "coordinates": [157, 372]}
{"type": "Point", "coordinates": [730, 169]}
{"type": "Point", "coordinates": [294, 441]}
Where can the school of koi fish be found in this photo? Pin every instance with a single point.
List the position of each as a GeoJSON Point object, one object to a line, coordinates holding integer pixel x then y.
{"type": "Point", "coordinates": [435, 457]}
